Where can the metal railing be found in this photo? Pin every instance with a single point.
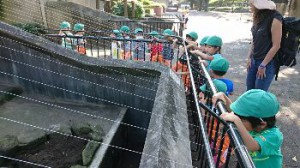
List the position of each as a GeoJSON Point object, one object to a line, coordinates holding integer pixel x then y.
{"type": "Point", "coordinates": [151, 25]}
{"type": "Point", "coordinates": [223, 138]}
{"type": "Point", "coordinates": [154, 50]}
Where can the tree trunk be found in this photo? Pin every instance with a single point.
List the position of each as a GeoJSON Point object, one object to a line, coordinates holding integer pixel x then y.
{"type": "Point", "coordinates": [206, 2]}
{"type": "Point", "coordinates": [200, 5]}
{"type": "Point", "coordinates": [294, 5]}
{"type": "Point", "coordinates": [133, 9]}
{"type": "Point", "coordinates": [125, 8]}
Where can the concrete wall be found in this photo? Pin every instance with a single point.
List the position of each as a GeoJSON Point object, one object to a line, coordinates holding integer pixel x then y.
{"type": "Point", "coordinates": [151, 92]}
{"type": "Point", "coordinates": [50, 13]}
{"type": "Point", "coordinates": [25, 11]}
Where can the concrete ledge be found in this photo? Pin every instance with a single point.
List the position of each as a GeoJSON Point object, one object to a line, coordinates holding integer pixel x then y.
{"type": "Point", "coordinates": [163, 113]}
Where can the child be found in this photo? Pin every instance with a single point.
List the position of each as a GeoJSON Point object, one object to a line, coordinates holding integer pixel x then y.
{"type": "Point", "coordinates": [213, 49]}
{"type": "Point", "coordinates": [139, 48]}
{"type": "Point", "coordinates": [168, 51]}
{"type": "Point", "coordinates": [215, 141]}
{"type": "Point", "coordinates": [126, 45]}
{"type": "Point", "coordinates": [116, 45]}
{"type": "Point", "coordinates": [65, 31]}
{"type": "Point", "coordinates": [254, 113]}
{"type": "Point", "coordinates": [155, 47]}
{"type": "Point", "coordinates": [79, 42]}
{"type": "Point", "coordinates": [204, 90]}
{"type": "Point", "coordinates": [181, 64]}
{"type": "Point", "coordinates": [202, 46]}
{"type": "Point", "coordinates": [218, 68]}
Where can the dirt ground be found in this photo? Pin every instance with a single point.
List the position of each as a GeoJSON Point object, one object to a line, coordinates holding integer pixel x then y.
{"type": "Point", "coordinates": [60, 152]}
{"type": "Point", "coordinates": [234, 28]}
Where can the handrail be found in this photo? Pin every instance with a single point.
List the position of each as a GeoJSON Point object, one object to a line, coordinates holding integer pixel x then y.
{"type": "Point", "coordinates": [242, 152]}
{"type": "Point", "coordinates": [201, 123]}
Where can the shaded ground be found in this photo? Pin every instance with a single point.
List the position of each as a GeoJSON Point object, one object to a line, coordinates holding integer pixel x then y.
{"type": "Point", "coordinates": [60, 152]}
{"type": "Point", "coordinates": [30, 125]}
{"type": "Point", "coordinates": [234, 28]}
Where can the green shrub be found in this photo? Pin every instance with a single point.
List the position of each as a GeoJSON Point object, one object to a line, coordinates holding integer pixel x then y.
{"type": "Point", "coordinates": [147, 11]}
{"type": "Point", "coordinates": [33, 28]}
{"type": "Point", "coordinates": [118, 9]}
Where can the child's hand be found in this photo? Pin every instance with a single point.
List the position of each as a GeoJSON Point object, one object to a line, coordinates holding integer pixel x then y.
{"type": "Point", "coordinates": [231, 117]}
{"type": "Point", "coordinates": [218, 96]}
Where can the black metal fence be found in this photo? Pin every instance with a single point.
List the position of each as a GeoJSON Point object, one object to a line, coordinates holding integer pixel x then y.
{"type": "Point", "coordinates": [151, 24]}
{"type": "Point", "coordinates": [148, 49]}
{"type": "Point", "coordinates": [223, 139]}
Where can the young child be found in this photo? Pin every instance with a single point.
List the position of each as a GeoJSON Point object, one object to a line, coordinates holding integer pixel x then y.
{"type": "Point", "coordinates": [181, 64]}
{"type": "Point", "coordinates": [168, 48]}
{"type": "Point", "coordinates": [139, 48]}
{"type": "Point", "coordinates": [155, 47]}
{"type": "Point", "coordinates": [79, 42]}
{"type": "Point", "coordinates": [126, 45]}
{"type": "Point", "coordinates": [204, 90]}
{"type": "Point", "coordinates": [213, 49]}
{"type": "Point", "coordinates": [215, 141]}
{"type": "Point", "coordinates": [116, 45]}
{"type": "Point", "coordinates": [254, 113]}
{"type": "Point", "coordinates": [65, 31]}
{"type": "Point", "coordinates": [218, 68]}
{"type": "Point", "coordinates": [202, 46]}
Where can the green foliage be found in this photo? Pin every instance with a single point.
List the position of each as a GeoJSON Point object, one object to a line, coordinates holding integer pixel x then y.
{"type": "Point", "coordinates": [33, 28]}
{"type": "Point", "coordinates": [147, 11]}
{"type": "Point", "coordinates": [220, 3]}
{"type": "Point", "coordinates": [118, 9]}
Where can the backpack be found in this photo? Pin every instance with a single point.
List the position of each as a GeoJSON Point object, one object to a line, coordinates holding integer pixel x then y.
{"type": "Point", "coordinates": [290, 44]}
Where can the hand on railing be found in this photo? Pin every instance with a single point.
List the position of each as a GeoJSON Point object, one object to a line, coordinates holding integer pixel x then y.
{"type": "Point", "coordinates": [220, 96]}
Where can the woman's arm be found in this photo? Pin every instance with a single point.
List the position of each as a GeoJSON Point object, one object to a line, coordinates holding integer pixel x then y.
{"type": "Point", "coordinates": [276, 31]}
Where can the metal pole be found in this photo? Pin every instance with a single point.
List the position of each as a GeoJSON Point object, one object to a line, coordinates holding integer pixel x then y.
{"type": "Point", "coordinates": [201, 123]}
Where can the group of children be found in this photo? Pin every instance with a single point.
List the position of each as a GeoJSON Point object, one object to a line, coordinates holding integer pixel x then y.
{"type": "Point", "coordinates": [253, 112]}
{"type": "Point", "coordinates": [77, 42]}
{"type": "Point", "coordinates": [160, 49]}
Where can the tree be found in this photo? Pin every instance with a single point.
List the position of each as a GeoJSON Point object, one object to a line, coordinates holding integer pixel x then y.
{"type": "Point", "coordinates": [125, 8]}
{"type": "Point", "coordinates": [203, 5]}
{"type": "Point", "coordinates": [294, 8]}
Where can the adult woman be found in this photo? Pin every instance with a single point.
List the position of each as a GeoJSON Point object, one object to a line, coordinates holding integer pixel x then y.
{"type": "Point", "coordinates": [266, 32]}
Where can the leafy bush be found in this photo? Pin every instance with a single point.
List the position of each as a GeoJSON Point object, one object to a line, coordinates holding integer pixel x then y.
{"type": "Point", "coordinates": [220, 3]}
{"type": "Point", "coordinates": [118, 9]}
{"type": "Point", "coordinates": [147, 11]}
{"type": "Point", "coordinates": [33, 28]}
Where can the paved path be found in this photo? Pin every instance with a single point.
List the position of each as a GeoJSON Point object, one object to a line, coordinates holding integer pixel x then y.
{"type": "Point", "coordinates": [235, 31]}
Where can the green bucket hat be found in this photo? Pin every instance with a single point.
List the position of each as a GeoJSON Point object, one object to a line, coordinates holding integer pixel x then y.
{"type": "Point", "coordinates": [220, 86]}
{"type": "Point", "coordinates": [78, 27]}
{"type": "Point", "coordinates": [138, 30]}
{"type": "Point", "coordinates": [203, 40]}
{"type": "Point", "coordinates": [124, 29]}
{"type": "Point", "coordinates": [154, 34]}
{"type": "Point", "coordinates": [214, 41]}
{"type": "Point", "coordinates": [168, 32]}
{"type": "Point", "coordinates": [117, 33]}
{"type": "Point", "coordinates": [219, 64]}
{"type": "Point", "coordinates": [256, 103]}
{"type": "Point", "coordinates": [64, 25]}
{"type": "Point", "coordinates": [193, 35]}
